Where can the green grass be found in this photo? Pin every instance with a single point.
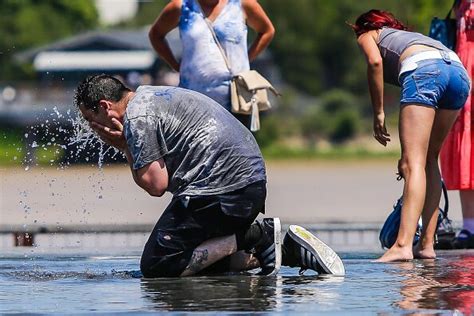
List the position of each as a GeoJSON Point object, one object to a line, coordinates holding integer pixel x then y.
{"type": "Point", "coordinates": [12, 150]}
{"type": "Point", "coordinates": [334, 153]}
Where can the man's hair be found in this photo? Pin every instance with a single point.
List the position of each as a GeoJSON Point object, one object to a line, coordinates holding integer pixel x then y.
{"type": "Point", "coordinates": [374, 20]}
{"type": "Point", "coordinates": [98, 87]}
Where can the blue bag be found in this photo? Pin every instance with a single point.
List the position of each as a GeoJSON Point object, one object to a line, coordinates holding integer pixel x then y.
{"type": "Point", "coordinates": [444, 30]}
{"type": "Point", "coordinates": [444, 233]}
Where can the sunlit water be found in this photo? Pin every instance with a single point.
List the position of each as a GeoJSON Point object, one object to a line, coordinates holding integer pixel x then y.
{"type": "Point", "coordinates": [85, 138]}
{"type": "Point", "coordinates": [64, 130]}
{"type": "Point", "coordinates": [75, 284]}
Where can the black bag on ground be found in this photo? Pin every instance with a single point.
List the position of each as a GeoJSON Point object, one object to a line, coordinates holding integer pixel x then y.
{"type": "Point", "coordinates": [444, 232]}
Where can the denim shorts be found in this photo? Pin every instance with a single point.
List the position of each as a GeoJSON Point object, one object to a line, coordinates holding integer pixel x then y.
{"type": "Point", "coordinates": [436, 83]}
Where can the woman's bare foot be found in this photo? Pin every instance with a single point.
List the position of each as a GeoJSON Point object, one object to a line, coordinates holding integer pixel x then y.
{"type": "Point", "coordinates": [397, 253]}
{"type": "Point", "coordinates": [424, 252]}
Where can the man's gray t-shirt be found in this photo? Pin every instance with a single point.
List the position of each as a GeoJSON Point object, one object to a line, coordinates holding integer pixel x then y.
{"type": "Point", "coordinates": [205, 149]}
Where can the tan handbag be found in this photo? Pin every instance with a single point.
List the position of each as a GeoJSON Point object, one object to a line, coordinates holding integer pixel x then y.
{"type": "Point", "coordinates": [249, 95]}
{"type": "Point", "coordinates": [248, 89]}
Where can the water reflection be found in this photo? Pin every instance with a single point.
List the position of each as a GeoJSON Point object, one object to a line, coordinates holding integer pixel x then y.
{"type": "Point", "coordinates": [108, 284]}
{"type": "Point", "coordinates": [241, 293]}
{"type": "Point", "coordinates": [441, 284]}
{"type": "Point", "coordinates": [231, 293]}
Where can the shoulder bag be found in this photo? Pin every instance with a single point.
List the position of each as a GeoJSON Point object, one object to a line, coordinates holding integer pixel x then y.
{"type": "Point", "coordinates": [248, 89]}
{"type": "Point", "coordinates": [444, 30]}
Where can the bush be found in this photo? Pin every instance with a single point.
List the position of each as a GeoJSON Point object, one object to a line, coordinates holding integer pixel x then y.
{"type": "Point", "coordinates": [336, 118]}
{"type": "Point", "coordinates": [270, 130]}
{"type": "Point", "coordinates": [346, 125]}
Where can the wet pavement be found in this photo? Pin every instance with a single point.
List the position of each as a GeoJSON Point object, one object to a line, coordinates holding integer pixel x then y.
{"type": "Point", "coordinates": [298, 192]}
{"type": "Point", "coordinates": [108, 284]}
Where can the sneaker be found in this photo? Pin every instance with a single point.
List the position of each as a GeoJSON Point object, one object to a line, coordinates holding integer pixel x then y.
{"type": "Point", "coordinates": [302, 249]}
{"type": "Point", "coordinates": [268, 249]}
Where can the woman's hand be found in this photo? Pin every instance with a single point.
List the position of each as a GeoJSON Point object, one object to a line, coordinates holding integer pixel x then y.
{"type": "Point", "coordinates": [112, 136]}
{"type": "Point", "coordinates": [380, 131]}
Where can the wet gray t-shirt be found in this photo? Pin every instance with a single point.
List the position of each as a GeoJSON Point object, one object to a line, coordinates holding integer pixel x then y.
{"type": "Point", "coordinates": [205, 149]}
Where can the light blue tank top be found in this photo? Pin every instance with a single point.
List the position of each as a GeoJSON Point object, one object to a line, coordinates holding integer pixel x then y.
{"type": "Point", "coordinates": [202, 67]}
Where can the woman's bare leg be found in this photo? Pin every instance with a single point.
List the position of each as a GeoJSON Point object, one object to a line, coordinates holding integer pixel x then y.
{"type": "Point", "coordinates": [443, 122]}
{"type": "Point", "coordinates": [415, 126]}
{"type": "Point", "coordinates": [467, 203]}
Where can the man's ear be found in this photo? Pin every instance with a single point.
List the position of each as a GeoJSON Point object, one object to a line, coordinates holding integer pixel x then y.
{"type": "Point", "coordinates": [105, 104]}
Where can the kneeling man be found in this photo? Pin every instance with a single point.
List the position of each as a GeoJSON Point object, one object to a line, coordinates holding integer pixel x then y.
{"type": "Point", "coordinates": [181, 141]}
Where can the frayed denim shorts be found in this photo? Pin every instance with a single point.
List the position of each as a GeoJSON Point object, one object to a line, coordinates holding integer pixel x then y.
{"type": "Point", "coordinates": [436, 83]}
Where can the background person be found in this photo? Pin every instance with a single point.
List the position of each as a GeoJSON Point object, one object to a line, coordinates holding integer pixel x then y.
{"type": "Point", "coordinates": [434, 87]}
{"type": "Point", "coordinates": [457, 154]}
{"type": "Point", "coordinates": [202, 67]}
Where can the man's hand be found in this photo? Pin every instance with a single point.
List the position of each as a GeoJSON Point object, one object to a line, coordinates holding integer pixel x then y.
{"type": "Point", "coordinates": [112, 136]}
{"type": "Point", "coordinates": [380, 131]}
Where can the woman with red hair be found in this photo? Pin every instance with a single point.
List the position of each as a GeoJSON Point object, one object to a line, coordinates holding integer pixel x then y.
{"type": "Point", "coordinates": [434, 87]}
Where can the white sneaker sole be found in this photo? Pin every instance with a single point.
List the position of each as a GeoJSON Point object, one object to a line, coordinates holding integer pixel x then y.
{"type": "Point", "coordinates": [277, 232]}
{"type": "Point", "coordinates": [326, 257]}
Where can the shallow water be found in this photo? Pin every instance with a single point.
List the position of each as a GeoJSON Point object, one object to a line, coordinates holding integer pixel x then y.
{"type": "Point", "coordinates": [76, 284]}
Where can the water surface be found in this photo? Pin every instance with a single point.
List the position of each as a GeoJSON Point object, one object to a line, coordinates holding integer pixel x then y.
{"type": "Point", "coordinates": [111, 284]}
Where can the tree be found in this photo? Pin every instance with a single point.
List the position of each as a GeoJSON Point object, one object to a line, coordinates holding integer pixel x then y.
{"type": "Point", "coordinates": [30, 23]}
{"type": "Point", "coordinates": [146, 14]}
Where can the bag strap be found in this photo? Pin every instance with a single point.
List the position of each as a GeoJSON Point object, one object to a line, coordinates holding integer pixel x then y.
{"type": "Point", "coordinates": [451, 10]}
{"type": "Point", "coordinates": [444, 211]}
{"type": "Point", "coordinates": [221, 49]}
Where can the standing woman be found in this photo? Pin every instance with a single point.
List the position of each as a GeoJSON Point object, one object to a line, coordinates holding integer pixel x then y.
{"type": "Point", "coordinates": [457, 154]}
{"type": "Point", "coordinates": [434, 87]}
{"type": "Point", "coordinates": [202, 67]}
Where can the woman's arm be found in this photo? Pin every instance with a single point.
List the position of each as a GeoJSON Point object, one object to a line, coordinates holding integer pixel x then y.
{"type": "Point", "coordinates": [258, 20]}
{"type": "Point", "coordinates": [166, 21]}
{"type": "Point", "coordinates": [375, 80]}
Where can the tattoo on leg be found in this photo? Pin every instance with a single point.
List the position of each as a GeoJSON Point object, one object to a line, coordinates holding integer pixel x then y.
{"type": "Point", "coordinates": [198, 260]}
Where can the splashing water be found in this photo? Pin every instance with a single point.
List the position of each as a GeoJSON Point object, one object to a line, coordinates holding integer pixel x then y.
{"type": "Point", "coordinates": [58, 130]}
{"type": "Point", "coordinates": [83, 136]}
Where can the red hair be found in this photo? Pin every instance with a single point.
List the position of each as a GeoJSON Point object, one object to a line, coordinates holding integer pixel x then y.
{"type": "Point", "coordinates": [374, 20]}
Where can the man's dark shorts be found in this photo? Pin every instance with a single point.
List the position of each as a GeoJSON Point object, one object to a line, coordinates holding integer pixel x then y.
{"type": "Point", "coordinates": [189, 221]}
